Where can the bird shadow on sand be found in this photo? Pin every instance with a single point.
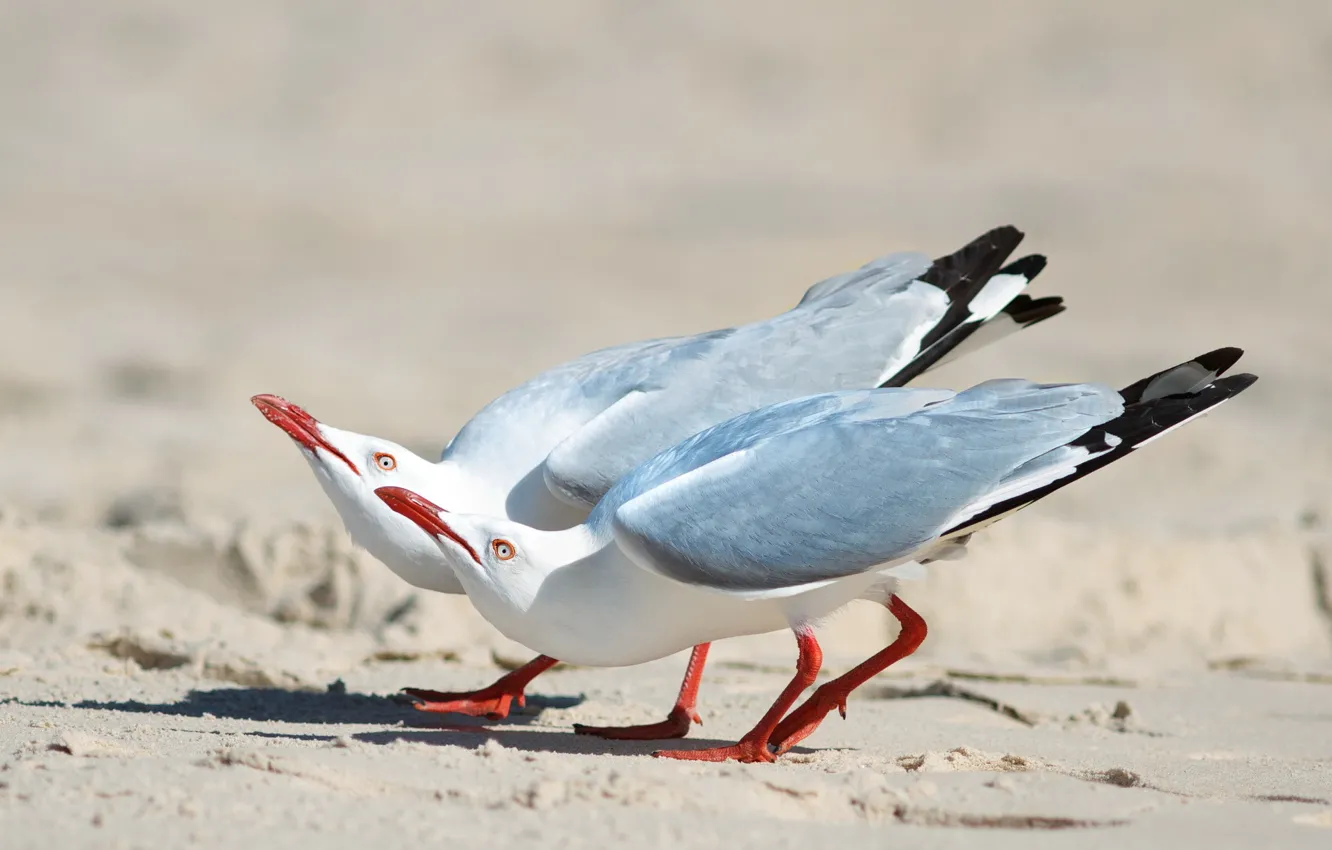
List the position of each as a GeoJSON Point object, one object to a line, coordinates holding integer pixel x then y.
{"type": "Point", "coordinates": [557, 740]}
{"type": "Point", "coordinates": [336, 706]}
{"type": "Point", "coordinates": [333, 706]}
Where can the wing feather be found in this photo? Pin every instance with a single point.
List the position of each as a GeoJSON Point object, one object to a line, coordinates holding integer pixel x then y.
{"type": "Point", "coordinates": [837, 494]}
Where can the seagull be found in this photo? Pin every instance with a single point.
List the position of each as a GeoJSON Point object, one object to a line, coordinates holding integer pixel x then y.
{"type": "Point", "coordinates": [544, 453]}
{"type": "Point", "coordinates": [779, 517]}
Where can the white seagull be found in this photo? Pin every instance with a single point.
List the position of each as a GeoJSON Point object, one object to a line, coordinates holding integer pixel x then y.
{"type": "Point", "coordinates": [781, 516]}
{"type": "Point", "coordinates": [545, 452]}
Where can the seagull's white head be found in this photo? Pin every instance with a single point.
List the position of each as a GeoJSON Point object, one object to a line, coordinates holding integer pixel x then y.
{"type": "Point", "coordinates": [505, 559]}
{"type": "Point", "coordinates": [350, 467]}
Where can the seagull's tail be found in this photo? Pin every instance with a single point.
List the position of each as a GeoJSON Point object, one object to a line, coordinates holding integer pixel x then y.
{"type": "Point", "coordinates": [1153, 407]}
{"type": "Point", "coordinates": [985, 301]}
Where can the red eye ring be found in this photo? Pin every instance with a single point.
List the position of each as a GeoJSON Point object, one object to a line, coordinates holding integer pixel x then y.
{"type": "Point", "coordinates": [503, 549]}
{"type": "Point", "coordinates": [380, 457]}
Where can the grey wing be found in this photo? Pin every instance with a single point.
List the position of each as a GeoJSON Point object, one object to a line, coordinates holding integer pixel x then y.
{"type": "Point", "coordinates": [848, 493]}
{"type": "Point", "coordinates": [579, 470]}
{"type": "Point", "coordinates": [859, 325]}
{"type": "Point", "coordinates": [882, 324]}
{"type": "Point", "coordinates": [757, 427]}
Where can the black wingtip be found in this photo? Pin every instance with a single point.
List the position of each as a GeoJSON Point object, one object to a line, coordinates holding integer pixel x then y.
{"type": "Point", "coordinates": [1004, 233]}
{"type": "Point", "coordinates": [1220, 360]}
{"type": "Point", "coordinates": [1027, 311]}
{"type": "Point", "coordinates": [1139, 424]}
{"type": "Point", "coordinates": [997, 237]}
{"type": "Point", "coordinates": [1215, 362]}
{"type": "Point", "coordinates": [974, 263]}
{"type": "Point", "coordinates": [962, 276]}
{"type": "Point", "coordinates": [1027, 267]}
{"type": "Point", "coordinates": [1237, 384]}
{"type": "Point", "coordinates": [1143, 420]}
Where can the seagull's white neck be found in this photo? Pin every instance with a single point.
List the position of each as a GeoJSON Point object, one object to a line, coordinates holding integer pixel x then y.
{"type": "Point", "coordinates": [512, 486]}
{"type": "Point", "coordinates": [508, 442]}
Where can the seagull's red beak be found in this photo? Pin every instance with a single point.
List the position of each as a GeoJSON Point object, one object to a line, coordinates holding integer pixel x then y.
{"type": "Point", "coordinates": [299, 425]}
{"type": "Point", "coordinates": [424, 513]}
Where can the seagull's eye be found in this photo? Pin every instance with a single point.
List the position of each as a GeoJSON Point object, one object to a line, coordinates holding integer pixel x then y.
{"type": "Point", "coordinates": [385, 461]}
{"type": "Point", "coordinates": [502, 548]}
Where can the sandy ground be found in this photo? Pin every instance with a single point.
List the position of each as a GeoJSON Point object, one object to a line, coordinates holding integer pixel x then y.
{"type": "Point", "coordinates": [392, 212]}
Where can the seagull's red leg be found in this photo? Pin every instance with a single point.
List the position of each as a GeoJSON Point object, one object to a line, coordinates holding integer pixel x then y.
{"type": "Point", "coordinates": [802, 722]}
{"type": "Point", "coordinates": [676, 724]}
{"type": "Point", "coordinates": [492, 701]}
{"type": "Point", "coordinates": [754, 745]}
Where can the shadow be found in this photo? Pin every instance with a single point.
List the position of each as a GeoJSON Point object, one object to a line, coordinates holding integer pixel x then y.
{"type": "Point", "coordinates": [336, 706]}
{"type": "Point", "coordinates": [36, 703]}
{"type": "Point", "coordinates": [290, 736]}
{"type": "Point", "coordinates": [557, 740]}
{"type": "Point", "coordinates": [332, 706]}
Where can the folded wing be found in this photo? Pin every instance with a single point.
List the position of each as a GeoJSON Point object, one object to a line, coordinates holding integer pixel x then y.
{"type": "Point", "coordinates": [880, 325]}
{"type": "Point", "coordinates": [842, 492]}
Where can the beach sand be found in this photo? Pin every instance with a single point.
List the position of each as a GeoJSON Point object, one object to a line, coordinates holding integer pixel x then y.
{"type": "Point", "coordinates": [391, 213]}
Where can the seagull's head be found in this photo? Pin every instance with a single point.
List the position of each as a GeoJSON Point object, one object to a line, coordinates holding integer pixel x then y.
{"type": "Point", "coordinates": [507, 557]}
{"type": "Point", "coordinates": [349, 467]}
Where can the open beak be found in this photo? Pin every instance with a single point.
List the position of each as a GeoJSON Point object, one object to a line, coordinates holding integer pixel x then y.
{"type": "Point", "coordinates": [424, 513]}
{"type": "Point", "coordinates": [299, 425]}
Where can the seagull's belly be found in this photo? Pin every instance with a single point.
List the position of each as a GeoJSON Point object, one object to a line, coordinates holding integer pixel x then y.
{"type": "Point", "coordinates": [649, 617]}
{"type": "Point", "coordinates": [624, 640]}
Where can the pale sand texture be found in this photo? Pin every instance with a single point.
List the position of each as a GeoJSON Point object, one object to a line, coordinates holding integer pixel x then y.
{"type": "Point", "coordinates": [391, 212]}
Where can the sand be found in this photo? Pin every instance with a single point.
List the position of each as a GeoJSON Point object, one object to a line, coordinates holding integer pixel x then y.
{"type": "Point", "coordinates": [391, 213]}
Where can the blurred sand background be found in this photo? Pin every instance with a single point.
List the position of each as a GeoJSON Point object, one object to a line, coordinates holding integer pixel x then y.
{"type": "Point", "coordinates": [392, 212]}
